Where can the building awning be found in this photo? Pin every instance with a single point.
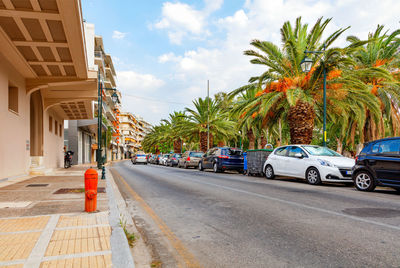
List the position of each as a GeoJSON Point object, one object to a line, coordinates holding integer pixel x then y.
{"type": "Point", "coordinates": [44, 41]}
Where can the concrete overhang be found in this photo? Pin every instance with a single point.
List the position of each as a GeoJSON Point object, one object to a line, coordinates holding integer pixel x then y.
{"type": "Point", "coordinates": [44, 41]}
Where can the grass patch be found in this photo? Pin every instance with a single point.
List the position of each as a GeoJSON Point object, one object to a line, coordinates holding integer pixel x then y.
{"type": "Point", "coordinates": [130, 236]}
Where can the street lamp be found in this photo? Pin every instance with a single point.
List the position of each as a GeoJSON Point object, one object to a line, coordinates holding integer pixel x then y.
{"type": "Point", "coordinates": [115, 97]}
{"type": "Point", "coordinates": [306, 65]}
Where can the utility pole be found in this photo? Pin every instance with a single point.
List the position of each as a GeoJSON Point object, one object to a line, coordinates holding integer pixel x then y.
{"type": "Point", "coordinates": [208, 115]}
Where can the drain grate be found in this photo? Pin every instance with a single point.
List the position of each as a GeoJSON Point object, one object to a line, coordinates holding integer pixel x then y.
{"type": "Point", "coordinates": [77, 190]}
{"type": "Point", "coordinates": [37, 185]}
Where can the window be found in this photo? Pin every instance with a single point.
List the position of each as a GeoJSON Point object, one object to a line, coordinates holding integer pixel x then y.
{"type": "Point", "coordinates": [60, 130]}
{"type": "Point", "coordinates": [13, 99]}
{"type": "Point", "coordinates": [295, 150]}
{"type": "Point", "coordinates": [320, 151]}
{"type": "Point", "coordinates": [388, 147]}
{"type": "Point", "coordinates": [55, 127]}
{"type": "Point", "coordinates": [281, 151]}
{"type": "Point", "coordinates": [51, 124]}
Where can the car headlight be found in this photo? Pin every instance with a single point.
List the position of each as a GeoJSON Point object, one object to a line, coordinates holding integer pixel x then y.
{"type": "Point", "coordinates": [325, 163]}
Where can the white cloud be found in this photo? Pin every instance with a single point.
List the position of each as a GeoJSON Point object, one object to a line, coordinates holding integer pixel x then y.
{"type": "Point", "coordinates": [118, 35]}
{"type": "Point", "coordinates": [132, 82]}
{"type": "Point", "coordinates": [182, 20]}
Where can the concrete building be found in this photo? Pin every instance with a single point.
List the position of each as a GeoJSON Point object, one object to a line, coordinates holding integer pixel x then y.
{"type": "Point", "coordinates": [133, 130]}
{"type": "Point", "coordinates": [82, 134]}
{"type": "Point", "coordinates": [44, 80]}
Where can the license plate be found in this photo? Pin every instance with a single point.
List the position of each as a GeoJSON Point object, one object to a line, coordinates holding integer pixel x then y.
{"type": "Point", "coordinates": [349, 172]}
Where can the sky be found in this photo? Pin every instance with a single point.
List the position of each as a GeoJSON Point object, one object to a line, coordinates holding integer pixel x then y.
{"type": "Point", "coordinates": [165, 51]}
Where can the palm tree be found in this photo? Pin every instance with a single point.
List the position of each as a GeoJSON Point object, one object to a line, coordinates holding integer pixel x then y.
{"type": "Point", "coordinates": [377, 65]}
{"type": "Point", "coordinates": [207, 112]}
{"type": "Point", "coordinates": [288, 91]}
{"type": "Point", "coordinates": [176, 123]}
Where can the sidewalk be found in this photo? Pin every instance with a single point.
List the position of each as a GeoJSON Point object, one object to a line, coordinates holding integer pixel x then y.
{"type": "Point", "coordinates": [43, 223]}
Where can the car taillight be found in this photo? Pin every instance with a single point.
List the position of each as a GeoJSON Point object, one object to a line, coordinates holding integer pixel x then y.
{"type": "Point", "coordinates": [356, 158]}
{"type": "Point", "coordinates": [223, 156]}
{"type": "Point", "coordinates": [136, 157]}
{"type": "Point", "coordinates": [173, 158]}
{"type": "Point", "coordinates": [188, 159]}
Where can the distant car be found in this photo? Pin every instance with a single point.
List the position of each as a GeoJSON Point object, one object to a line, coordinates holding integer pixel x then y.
{"type": "Point", "coordinates": [315, 164]}
{"type": "Point", "coordinates": [378, 164]}
{"type": "Point", "coordinates": [172, 160]}
{"type": "Point", "coordinates": [139, 158]}
{"type": "Point", "coordinates": [190, 159]}
{"type": "Point", "coordinates": [220, 159]}
{"type": "Point", "coordinates": [163, 159]}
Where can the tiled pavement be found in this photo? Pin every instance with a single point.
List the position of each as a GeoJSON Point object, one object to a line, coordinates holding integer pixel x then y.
{"type": "Point", "coordinates": [56, 241]}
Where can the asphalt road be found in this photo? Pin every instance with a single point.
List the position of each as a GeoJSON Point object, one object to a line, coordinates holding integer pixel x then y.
{"type": "Point", "coordinates": [231, 220]}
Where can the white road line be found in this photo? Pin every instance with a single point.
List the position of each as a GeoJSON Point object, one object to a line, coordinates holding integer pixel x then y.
{"type": "Point", "coordinates": [397, 228]}
{"type": "Point", "coordinates": [37, 254]}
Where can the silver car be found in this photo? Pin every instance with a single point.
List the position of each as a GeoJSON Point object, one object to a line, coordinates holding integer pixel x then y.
{"type": "Point", "coordinates": [139, 158]}
{"type": "Point", "coordinates": [190, 159]}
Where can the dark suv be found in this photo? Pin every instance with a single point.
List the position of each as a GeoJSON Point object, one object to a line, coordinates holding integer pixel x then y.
{"type": "Point", "coordinates": [222, 158]}
{"type": "Point", "coordinates": [378, 164]}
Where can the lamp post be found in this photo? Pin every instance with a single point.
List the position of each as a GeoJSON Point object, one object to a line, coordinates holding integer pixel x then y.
{"type": "Point", "coordinates": [99, 123]}
{"type": "Point", "coordinates": [306, 65]}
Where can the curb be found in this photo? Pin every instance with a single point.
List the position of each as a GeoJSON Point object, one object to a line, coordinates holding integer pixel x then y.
{"type": "Point", "coordinates": [121, 253]}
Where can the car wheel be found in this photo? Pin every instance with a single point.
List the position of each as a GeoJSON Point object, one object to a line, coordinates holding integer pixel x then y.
{"type": "Point", "coordinates": [201, 166]}
{"type": "Point", "coordinates": [185, 165]}
{"type": "Point", "coordinates": [215, 168]}
{"type": "Point", "coordinates": [269, 172]}
{"type": "Point", "coordinates": [313, 177]}
{"type": "Point", "coordinates": [364, 181]}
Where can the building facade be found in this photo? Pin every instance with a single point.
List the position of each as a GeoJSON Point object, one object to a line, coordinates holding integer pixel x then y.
{"type": "Point", "coordinates": [133, 131]}
{"type": "Point", "coordinates": [44, 80]}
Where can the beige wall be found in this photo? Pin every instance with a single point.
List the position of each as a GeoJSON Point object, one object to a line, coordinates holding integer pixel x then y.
{"type": "Point", "coordinates": [53, 144]}
{"type": "Point", "coordinates": [14, 128]}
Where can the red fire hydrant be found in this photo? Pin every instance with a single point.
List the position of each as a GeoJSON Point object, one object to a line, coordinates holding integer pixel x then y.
{"type": "Point", "coordinates": [91, 179]}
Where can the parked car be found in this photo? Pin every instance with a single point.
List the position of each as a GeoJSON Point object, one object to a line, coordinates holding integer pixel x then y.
{"type": "Point", "coordinates": [315, 164]}
{"type": "Point", "coordinates": [163, 159]}
{"type": "Point", "coordinates": [190, 159]}
{"type": "Point", "coordinates": [378, 164]}
{"type": "Point", "coordinates": [172, 160]}
{"type": "Point", "coordinates": [222, 158]}
{"type": "Point", "coordinates": [139, 158]}
{"type": "Point", "coordinates": [152, 159]}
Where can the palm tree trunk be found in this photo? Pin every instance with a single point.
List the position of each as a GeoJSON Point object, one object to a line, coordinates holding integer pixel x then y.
{"type": "Point", "coordinates": [252, 139]}
{"type": "Point", "coordinates": [339, 147]}
{"type": "Point", "coordinates": [301, 123]}
{"type": "Point", "coordinates": [177, 146]}
{"type": "Point", "coordinates": [259, 144]}
{"type": "Point", "coordinates": [203, 141]}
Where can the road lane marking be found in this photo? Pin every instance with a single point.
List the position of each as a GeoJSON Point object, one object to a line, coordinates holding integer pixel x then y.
{"type": "Point", "coordinates": [189, 259]}
{"type": "Point", "coordinates": [397, 228]}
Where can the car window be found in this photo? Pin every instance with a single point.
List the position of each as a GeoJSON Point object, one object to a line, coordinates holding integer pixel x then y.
{"type": "Point", "coordinates": [194, 154]}
{"type": "Point", "coordinates": [141, 155]}
{"type": "Point", "coordinates": [320, 151]}
{"type": "Point", "coordinates": [212, 152]}
{"type": "Point", "coordinates": [388, 147]}
{"type": "Point", "coordinates": [281, 151]}
{"type": "Point", "coordinates": [295, 150]}
{"type": "Point", "coordinates": [233, 151]}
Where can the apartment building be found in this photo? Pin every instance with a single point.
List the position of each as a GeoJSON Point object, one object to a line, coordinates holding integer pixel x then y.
{"type": "Point", "coordinates": [133, 131]}
{"type": "Point", "coordinates": [44, 80]}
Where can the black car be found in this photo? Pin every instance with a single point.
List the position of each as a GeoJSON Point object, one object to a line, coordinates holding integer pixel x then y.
{"type": "Point", "coordinates": [222, 158]}
{"type": "Point", "coordinates": [378, 164]}
{"type": "Point", "coordinates": [173, 159]}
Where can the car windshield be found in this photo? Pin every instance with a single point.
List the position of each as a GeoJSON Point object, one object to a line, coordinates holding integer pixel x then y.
{"type": "Point", "coordinates": [196, 154]}
{"type": "Point", "coordinates": [320, 151]}
{"type": "Point", "coordinates": [234, 152]}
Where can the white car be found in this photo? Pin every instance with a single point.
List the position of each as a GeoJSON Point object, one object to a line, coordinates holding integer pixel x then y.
{"type": "Point", "coordinates": [313, 163]}
{"type": "Point", "coordinates": [163, 159]}
{"type": "Point", "coordinates": [139, 157]}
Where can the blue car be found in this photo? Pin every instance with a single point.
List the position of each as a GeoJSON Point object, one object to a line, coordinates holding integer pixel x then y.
{"type": "Point", "coordinates": [378, 164]}
{"type": "Point", "coordinates": [220, 159]}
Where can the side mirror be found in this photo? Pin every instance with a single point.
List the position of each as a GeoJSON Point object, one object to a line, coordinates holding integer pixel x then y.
{"type": "Point", "coordinates": [298, 155]}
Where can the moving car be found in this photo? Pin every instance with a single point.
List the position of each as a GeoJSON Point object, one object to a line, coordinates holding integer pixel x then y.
{"type": "Point", "coordinates": [139, 158]}
{"type": "Point", "coordinates": [315, 164]}
{"type": "Point", "coordinates": [172, 160]}
{"type": "Point", "coordinates": [378, 164]}
{"type": "Point", "coordinates": [222, 158]}
{"type": "Point", "coordinates": [190, 159]}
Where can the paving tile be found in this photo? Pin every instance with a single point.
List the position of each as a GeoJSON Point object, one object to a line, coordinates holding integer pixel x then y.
{"type": "Point", "coordinates": [23, 224]}
{"type": "Point", "coordinates": [17, 246]}
{"type": "Point", "coordinates": [101, 261]}
{"type": "Point", "coordinates": [13, 266]}
{"type": "Point", "coordinates": [83, 220]}
{"type": "Point", "coordinates": [79, 240]}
